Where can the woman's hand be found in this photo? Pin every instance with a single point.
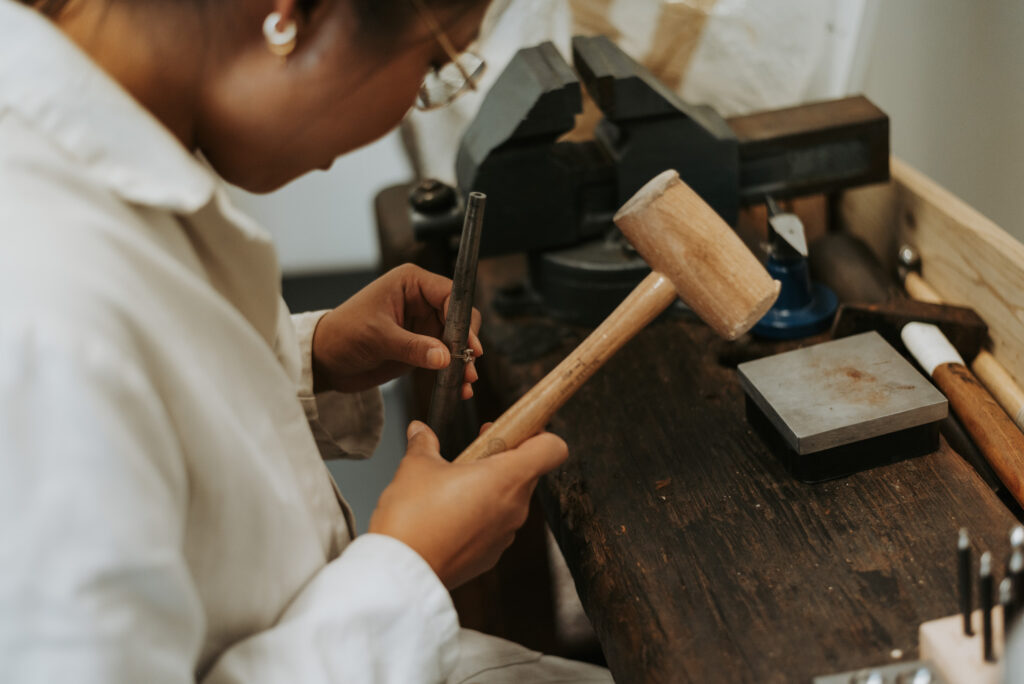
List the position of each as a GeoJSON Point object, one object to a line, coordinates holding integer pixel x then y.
{"type": "Point", "coordinates": [460, 517]}
{"type": "Point", "coordinates": [388, 327]}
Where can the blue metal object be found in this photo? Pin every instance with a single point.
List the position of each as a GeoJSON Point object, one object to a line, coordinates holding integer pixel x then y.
{"type": "Point", "coordinates": [803, 308]}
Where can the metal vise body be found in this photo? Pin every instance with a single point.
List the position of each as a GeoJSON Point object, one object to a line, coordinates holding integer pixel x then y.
{"type": "Point", "coordinates": [554, 199]}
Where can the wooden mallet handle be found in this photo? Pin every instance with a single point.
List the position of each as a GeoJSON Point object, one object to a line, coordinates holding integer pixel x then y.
{"type": "Point", "coordinates": [534, 409]}
{"type": "Point", "coordinates": [693, 254]}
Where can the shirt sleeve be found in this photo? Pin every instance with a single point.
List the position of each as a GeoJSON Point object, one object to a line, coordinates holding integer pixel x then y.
{"type": "Point", "coordinates": [94, 585]}
{"type": "Point", "coordinates": [378, 613]}
{"type": "Point", "coordinates": [345, 425]}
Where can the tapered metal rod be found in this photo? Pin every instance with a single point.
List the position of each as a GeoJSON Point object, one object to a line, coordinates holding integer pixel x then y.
{"type": "Point", "coordinates": [963, 552]}
{"type": "Point", "coordinates": [1016, 575]}
{"type": "Point", "coordinates": [448, 386]}
{"type": "Point", "coordinates": [985, 598]}
{"type": "Point", "coordinates": [1006, 601]}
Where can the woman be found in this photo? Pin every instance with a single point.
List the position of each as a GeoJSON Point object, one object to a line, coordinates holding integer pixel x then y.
{"type": "Point", "coordinates": [166, 512]}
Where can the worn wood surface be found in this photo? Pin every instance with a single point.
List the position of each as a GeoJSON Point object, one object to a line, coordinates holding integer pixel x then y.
{"type": "Point", "coordinates": [697, 557]}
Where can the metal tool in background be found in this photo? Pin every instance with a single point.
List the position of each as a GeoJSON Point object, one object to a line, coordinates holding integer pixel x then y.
{"type": "Point", "coordinates": [1006, 604]}
{"type": "Point", "coordinates": [553, 200]}
{"type": "Point", "coordinates": [969, 652]}
{"type": "Point", "coordinates": [964, 648]}
{"type": "Point", "coordinates": [804, 307]}
{"type": "Point", "coordinates": [963, 563]}
{"type": "Point", "coordinates": [1010, 591]}
{"type": "Point", "coordinates": [447, 391]}
{"type": "Point", "coordinates": [985, 586]}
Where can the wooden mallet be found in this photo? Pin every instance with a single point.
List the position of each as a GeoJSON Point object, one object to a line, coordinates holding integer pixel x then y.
{"type": "Point", "coordinates": [693, 255]}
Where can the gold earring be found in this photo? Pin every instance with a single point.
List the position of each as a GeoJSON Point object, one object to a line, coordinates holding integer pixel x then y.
{"type": "Point", "coordinates": [280, 35]}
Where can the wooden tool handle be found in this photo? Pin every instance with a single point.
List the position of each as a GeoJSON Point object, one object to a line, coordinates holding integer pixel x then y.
{"type": "Point", "coordinates": [534, 409]}
{"type": "Point", "coordinates": [919, 289]}
{"type": "Point", "coordinates": [996, 436]}
{"type": "Point", "coordinates": [998, 381]}
{"type": "Point", "coordinates": [986, 367]}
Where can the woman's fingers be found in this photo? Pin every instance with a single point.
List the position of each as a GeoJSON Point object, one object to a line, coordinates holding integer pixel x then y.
{"type": "Point", "coordinates": [427, 352]}
{"type": "Point", "coordinates": [435, 291]}
{"type": "Point", "coordinates": [474, 344]}
{"type": "Point", "coordinates": [474, 321]}
{"type": "Point", "coordinates": [429, 287]}
{"type": "Point", "coordinates": [536, 456]}
{"type": "Point", "coordinates": [459, 517]}
{"type": "Point", "coordinates": [411, 349]}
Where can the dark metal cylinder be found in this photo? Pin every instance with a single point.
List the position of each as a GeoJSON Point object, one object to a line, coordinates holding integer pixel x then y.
{"type": "Point", "coordinates": [964, 579]}
{"type": "Point", "coordinates": [985, 599]}
{"type": "Point", "coordinates": [448, 385]}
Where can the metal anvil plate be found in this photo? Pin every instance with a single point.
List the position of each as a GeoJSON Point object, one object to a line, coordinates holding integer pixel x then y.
{"type": "Point", "coordinates": [841, 392]}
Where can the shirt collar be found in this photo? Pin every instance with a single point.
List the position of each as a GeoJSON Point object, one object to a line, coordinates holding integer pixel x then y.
{"type": "Point", "coordinates": [60, 91]}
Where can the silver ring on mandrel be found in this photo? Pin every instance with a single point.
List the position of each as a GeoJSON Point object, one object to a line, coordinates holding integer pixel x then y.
{"type": "Point", "coordinates": [279, 34]}
{"type": "Point", "coordinates": [466, 355]}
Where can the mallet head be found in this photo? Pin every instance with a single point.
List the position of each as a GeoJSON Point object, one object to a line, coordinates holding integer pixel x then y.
{"type": "Point", "coordinates": [683, 238]}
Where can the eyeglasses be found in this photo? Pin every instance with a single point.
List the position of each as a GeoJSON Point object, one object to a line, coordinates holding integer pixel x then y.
{"type": "Point", "coordinates": [442, 85]}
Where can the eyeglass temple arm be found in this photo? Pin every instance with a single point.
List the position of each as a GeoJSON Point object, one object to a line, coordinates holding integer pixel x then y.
{"type": "Point", "coordinates": [442, 38]}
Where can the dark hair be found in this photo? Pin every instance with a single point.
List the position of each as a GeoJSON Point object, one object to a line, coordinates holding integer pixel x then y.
{"type": "Point", "coordinates": [384, 18]}
{"type": "Point", "coordinates": [377, 18]}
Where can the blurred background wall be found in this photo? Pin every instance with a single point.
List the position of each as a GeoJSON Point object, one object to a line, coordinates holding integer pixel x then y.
{"type": "Point", "coordinates": [323, 222]}
{"type": "Point", "coordinates": [950, 73]}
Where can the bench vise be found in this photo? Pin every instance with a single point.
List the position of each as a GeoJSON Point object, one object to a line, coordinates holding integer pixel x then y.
{"type": "Point", "coordinates": [554, 199]}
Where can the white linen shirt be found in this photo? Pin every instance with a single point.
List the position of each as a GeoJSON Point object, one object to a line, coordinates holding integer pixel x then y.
{"type": "Point", "coordinates": [165, 513]}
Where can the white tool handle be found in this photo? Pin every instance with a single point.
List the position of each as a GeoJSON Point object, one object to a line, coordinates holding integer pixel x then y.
{"type": "Point", "coordinates": [929, 346]}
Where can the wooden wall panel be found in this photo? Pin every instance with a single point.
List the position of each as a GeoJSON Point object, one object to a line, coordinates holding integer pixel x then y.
{"type": "Point", "coordinates": [965, 257]}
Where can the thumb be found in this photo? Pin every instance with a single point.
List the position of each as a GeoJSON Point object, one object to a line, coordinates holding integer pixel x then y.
{"type": "Point", "coordinates": [423, 351]}
{"type": "Point", "coordinates": [422, 440]}
{"type": "Point", "coordinates": [536, 456]}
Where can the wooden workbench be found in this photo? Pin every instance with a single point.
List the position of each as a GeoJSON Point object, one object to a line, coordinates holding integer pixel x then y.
{"type": "Point", "coordinates": [697, 557]}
